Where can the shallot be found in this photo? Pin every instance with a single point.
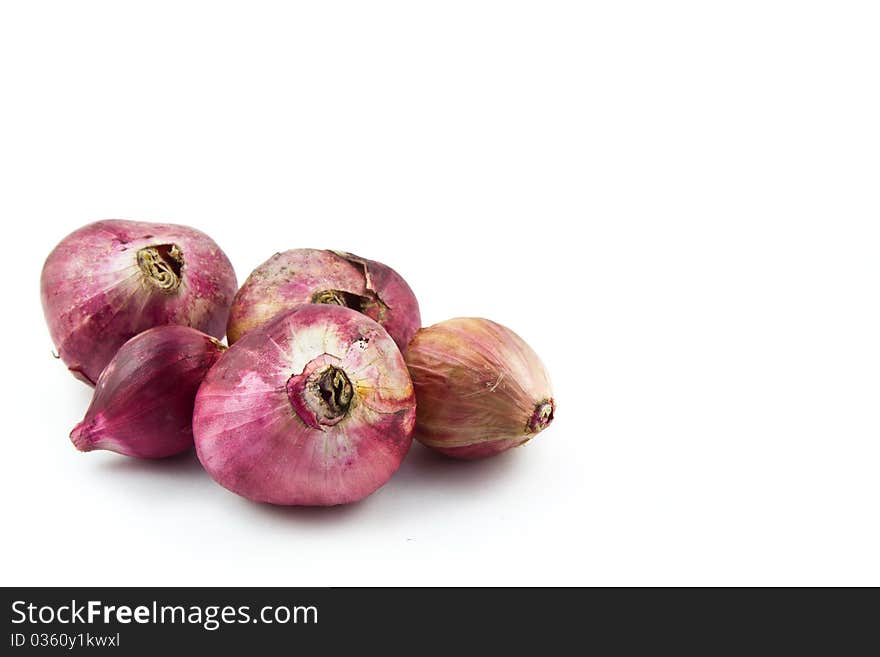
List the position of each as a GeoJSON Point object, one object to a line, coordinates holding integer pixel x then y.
{"type": "Point", "coordinates": [110, 280]}
{"type": "Point", "coordinates": [480, 388]}
{"type": "Point", "coordinates": [327, 277]}
{"type": "Point", "coordinates": [314, 407]}
{"type": "Point", "coordinates": [143, 402]}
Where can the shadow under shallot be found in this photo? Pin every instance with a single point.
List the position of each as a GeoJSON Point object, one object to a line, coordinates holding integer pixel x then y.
{"type": "Point", "coordinates": [185, 464]}
{"type": "Point", "coordinates": [424, 468]}
{"type": "Point", "coordinates": [185, 469]}
{"type": "Point", "coordinates": [154, 481]}
{"type": "Point", "coordinates": [423, 471]}
{"type": "Point", "coordinates": [313, 516]}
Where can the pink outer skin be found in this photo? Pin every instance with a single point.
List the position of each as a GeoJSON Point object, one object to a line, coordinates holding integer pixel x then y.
{"type": "Point", "coordinates": [143, 403]}
{"type": "Point", "coordinates": [95, 296]}
{"type": "Point", "coordinates": [253, 441]}
{"type": "Point", "coordinates": [288, 279]}
{"type": "Point", "coordinates": [479, 387]}
{"type": "Point", "coordinates": [481, 450]}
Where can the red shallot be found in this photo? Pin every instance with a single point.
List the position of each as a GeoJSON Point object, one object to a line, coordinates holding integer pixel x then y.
{"type": "Point", "coordinates": [143, 402]}
{"type": "Point", "coordinates": [110, 280]}
{"type": "Point", "coordinates": [314, 407]}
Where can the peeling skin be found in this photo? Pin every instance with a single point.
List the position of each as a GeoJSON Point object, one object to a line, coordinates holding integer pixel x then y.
{"type": "Point", "coordinates": [370, 305]}
{"type": "Point", "coordinates": [329, 277]}
{"type": "Point", "coordinates": [110, 280]}
{"type": "Point", "coordinates": [481, 388]}
{"type": "Point", "coordinates": [315, 407]}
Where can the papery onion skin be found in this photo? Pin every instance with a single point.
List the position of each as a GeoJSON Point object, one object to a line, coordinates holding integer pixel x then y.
{"type": "Point", "coordinates": [110, 280]}
{"type": "Point", "coordinates": [480, 388]}
{"type": "Point", "coordinates": [143, 402]}
{"type": "Point", "coordinates": [332, 277]}
{"type": "Point", "coordinates": [315, 407]}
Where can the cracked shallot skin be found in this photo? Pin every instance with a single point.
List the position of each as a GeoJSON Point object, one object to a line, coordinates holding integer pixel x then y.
{"type": "Point", "coordinates": [315, 407]}
{"type": "Point", "coordinates": [110, 280]}
{"type": "Point", "coordinates": [325, 277]}
{"type": "Point", "coordinates": [481, 389]}
{"type": "Point", "coordinates": [143, 402]}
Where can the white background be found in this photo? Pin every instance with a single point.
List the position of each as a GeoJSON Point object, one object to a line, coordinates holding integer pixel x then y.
{"type": "Point", "coordinates": [675, 203]}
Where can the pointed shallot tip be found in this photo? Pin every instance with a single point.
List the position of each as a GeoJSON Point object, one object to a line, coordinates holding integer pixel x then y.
{"type": "Point", "coordinates": [81, 436]}
{"type": "Point", "coordinates": [543, 416]}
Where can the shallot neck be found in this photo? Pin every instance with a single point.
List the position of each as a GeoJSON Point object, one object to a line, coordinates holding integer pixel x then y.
{"type": "Point", "coordinates": [161, 265]}
{"type": "Point", "coordinates": [542, 415]}
{"type": "Point", "coordinates": [322, 394]}
{"type": "Point", "coordinates": [370, 304]}
{"type": "Point", "coordinates": [335, 390]}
